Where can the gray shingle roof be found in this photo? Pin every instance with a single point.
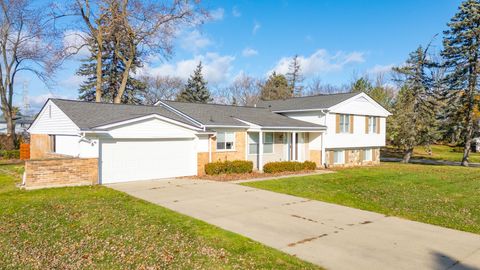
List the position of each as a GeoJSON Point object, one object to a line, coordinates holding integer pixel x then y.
{"type": "Point", "coordinates": [215, 114]}
{"type": "Point", "coordinates": [307, 103]}
{"type": "Point", "coordinates": [88, 115]}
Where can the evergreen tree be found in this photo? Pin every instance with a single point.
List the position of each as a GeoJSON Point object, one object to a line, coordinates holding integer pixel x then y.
{"type": "Point", "coordinates": [112, 70]}
{"type": "Point", "coordinates": [413, 122]}
{"type": "Point", "coordinates": [294, 77]}
{"type": "Point", "coordinates": [379, 92]}
{"type": "Point", "coordinates": [362, 84]}
{"type": "Point", "coordinates": [196, 90]}
{"type": "Point", "coordinates": [461, 55]}
{"type": "Point", "coordinates": [276, 87]}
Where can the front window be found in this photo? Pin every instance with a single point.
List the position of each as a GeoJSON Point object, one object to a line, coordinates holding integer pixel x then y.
{"type": "Point", "coordinates": [225, 140]}
{"type": "Point", "coordinates": [268, 143]}
{"type": "Point", "coordinates": [338, 157]}
{"type": "Point", "coordinates": [253, 143]}
{"type": "Point", "coordinates": [368, 155]}
{"type": "Point", "coordinates": [372, 124]}
{"type": "Point", "coordinates": [344, 123]}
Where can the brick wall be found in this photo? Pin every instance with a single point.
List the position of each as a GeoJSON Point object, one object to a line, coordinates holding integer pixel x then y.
{"type": "Point", "coordinates": [316, 156]}
{"type": "Point", "coordinates": [39, 145]}
{"type": "Point", "coordinates": [237, 154]}
{"type": "Point", "coordinates": [202, 159]}
{"type": "Point", "coordinates": [61, 172]}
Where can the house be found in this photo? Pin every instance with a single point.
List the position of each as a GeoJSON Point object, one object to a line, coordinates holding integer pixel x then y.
{"type": "Point", "coordinates": [22, 123]}
{"type": "Point", "coordinates": [171, 139]}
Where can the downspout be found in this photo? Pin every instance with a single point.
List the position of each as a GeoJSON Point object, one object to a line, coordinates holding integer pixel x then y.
{"type": "Point", "coordinates": [325, 112]}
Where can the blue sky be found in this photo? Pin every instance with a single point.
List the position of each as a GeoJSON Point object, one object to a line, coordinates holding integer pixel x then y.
{"type": "Point", "coordinates": [334, 40]}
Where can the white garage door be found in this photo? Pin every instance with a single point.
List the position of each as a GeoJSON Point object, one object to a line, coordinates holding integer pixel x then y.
{"type": "Point", "coordinates": [131, 160]}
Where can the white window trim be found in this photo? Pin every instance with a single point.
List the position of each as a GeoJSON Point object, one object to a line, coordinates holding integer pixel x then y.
{"type": "Point", "coordinates": [342, 155]}
{"type": "Point", "coordinates": [346, 124]}
{"type": "Point", "coordinates": [365, 154]}
{"type": "Point", "coordinates": [234, 142]}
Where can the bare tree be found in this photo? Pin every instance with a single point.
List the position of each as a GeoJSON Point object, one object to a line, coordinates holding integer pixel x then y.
{"type": "Point", "coordinates": [148, 28]}
{"type": "Point", "coordinates": [317, 87]}
{"type": "Point", "coordinates": [28, 42]}
{"type": "Point", "coordinates": [294, 76]}
{"type": "Point", "coordinates": [161, 88]}
{"type": "Point", "coordinates": [94, 14]}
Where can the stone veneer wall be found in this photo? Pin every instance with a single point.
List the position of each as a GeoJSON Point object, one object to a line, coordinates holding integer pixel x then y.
{"type": "Point", "coordinates": [353, 157]}
{"type": "Point", "coordinates": [60, 172]}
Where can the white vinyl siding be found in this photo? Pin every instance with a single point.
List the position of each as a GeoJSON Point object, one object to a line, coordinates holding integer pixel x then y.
{"type": "Point", "coordinates": [52, 120]}
{"type": "Point", "coordinates": [225, 141]}
{"type": "Point", "coordinates": [338, 157]}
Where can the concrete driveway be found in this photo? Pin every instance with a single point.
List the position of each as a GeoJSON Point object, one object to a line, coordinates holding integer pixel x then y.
{"type": "Point", "coordinates": [332, 236]}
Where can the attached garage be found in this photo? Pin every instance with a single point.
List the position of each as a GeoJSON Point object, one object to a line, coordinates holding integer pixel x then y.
{"type": "Point", "coordinates": [123, 160]}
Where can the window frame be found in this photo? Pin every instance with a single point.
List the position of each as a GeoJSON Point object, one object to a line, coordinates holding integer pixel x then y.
{"type": "Point", "coordinates": [225, 141]}
{"type": "Point", "coordinates": [344, 123]}
{"type": "Point", "coordinates": [370, 151]}
{"type": "Point", "coordinates": [342, 155]}
{"type": "Point", "coordinates": [252, 142]}
{"type": "Point", "coordinates": [372, 124]}
{"type": "Point", "coordinates": [272, 143]}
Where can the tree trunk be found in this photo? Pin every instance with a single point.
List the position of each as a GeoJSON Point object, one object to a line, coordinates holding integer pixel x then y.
{"type": "Point", "coordinates": [98, 87]}
{"type": "Point", "coordinates": [407, 155]}
{"type": "Point", "coordinates": [468, 143]}
{"type": "Point", "coordinates": [121, 90]}
{"type": "Point", "coordinates": [10, 142]}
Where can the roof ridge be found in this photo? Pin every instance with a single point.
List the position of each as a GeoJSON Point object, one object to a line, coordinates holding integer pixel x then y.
{"type": "Point", "coordinates": [317, 95]}
{"type": "Point", "coordinates": [105, 103]}
{"type": "Point", "coordinates": [216, 104]}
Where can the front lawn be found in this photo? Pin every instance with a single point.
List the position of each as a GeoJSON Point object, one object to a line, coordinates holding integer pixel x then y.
{"type": "Point", "coordinates": [99, 228]}
{"type": "Point", "coordinates": [439, 152]}
{"type": "Point", "coordinates": [443, 195]}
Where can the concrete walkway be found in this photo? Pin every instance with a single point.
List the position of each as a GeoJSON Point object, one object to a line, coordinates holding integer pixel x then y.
{"type": "Point", "coordinates": [332, 236]}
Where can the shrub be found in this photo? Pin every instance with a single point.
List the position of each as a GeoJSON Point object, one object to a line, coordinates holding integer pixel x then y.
{"type": "Point", "coordinates": [229, 167]}
{"type": "Point", "coordinates": [10, 154]}
{"type": "Point", "coordinates": [289, 166]}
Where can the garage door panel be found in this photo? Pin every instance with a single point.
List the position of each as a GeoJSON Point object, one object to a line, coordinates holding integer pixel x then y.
{"type": "Point", "coordinates": [131, 160]}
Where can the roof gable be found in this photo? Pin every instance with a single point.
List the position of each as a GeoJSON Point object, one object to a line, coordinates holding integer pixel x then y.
{"type": "Point", "coordinates": [316, 102]}
{"type": "Point", "coordinates": [362, 104]}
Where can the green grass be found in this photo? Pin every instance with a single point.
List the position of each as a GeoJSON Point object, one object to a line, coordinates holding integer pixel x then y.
{"type": "Point", "coordinates": [439, 152]}
{"type": "Point", "coordinates": [99, 228]}
{"type": "Point", "coordinates": [442, 195]}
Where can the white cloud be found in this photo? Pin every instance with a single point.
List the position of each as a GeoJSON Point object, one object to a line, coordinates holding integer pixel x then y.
{"type": "Point", "coordinates": [247, 52]}
{"type": "Point", "coordinates": [216, 68]}
{"type": "Point", "coordinates": [193, 41]}
{"type": "Point", "coordinates": [73, 41]}
{"type": "Point", "coordinates": [256, 27]}
{"type": "Point", "coordinates": [217, 14]}
{"type": "Point", "coordinates": [378, 69]}
{"type": "Point", "coordinates": [320, 61]}
{"type": "Point", "coordinates": [236, 12]}
{"type": "Point", "coordinates": [36, 102]}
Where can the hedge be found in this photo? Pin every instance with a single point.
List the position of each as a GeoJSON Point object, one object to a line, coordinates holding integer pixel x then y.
{"type": "Point", "coordinates": [10, 154]}
{"type": "Point", "coordinates": [289, 166]}
{"type": "Point", "coordinates": [228, 167]}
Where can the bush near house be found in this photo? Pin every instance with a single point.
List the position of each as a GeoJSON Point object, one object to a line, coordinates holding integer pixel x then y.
{"type": "Point", "coordinates": [9, 154]}
{"type": "Point", "coordinates": [229, 167]}
{"type": "Point", "coordinates": [289, 166]}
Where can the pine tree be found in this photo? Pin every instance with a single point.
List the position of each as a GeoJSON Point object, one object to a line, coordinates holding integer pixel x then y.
{"type": "Point", "coordinates": [276, 87]}
{"type": "Point", "coordinates": [112, 70]}
{"type": "Point", "coordinates": [461, 55]}
{"type": "Point", "coordinates": [413, 122]}
{"type": "Point", "coordinates": [294, 77]}
{"type": "Point", "coordinates": [196, 90]}
{"type": "Point", "coordinates": [362, 84]}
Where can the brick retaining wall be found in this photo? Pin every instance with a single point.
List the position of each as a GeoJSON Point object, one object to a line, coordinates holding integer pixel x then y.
{"type": "Point", "coordinates": [57, 172]}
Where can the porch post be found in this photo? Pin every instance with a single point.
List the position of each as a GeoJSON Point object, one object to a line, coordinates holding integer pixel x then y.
{"type": "Point", "coordinates": [294, 146]}
{"type": "Point", "coordinates": [260, 150]}
{"type": "Point", "coordinates": [323, 150]}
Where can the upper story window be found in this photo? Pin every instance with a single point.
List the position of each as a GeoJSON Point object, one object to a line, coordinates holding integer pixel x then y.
{"type": "Point", "coordinates": [372, 124]}
{"type": "Point", "coordinates": [225, 141]}
{"type": "Point", "coordinates": [344, 123]}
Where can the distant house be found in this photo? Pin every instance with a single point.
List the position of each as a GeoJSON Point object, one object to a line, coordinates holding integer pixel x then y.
{"type": "Point", "coordinates": [22, 123]}
{"type": "Point", "coordinates": [476, 145]}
